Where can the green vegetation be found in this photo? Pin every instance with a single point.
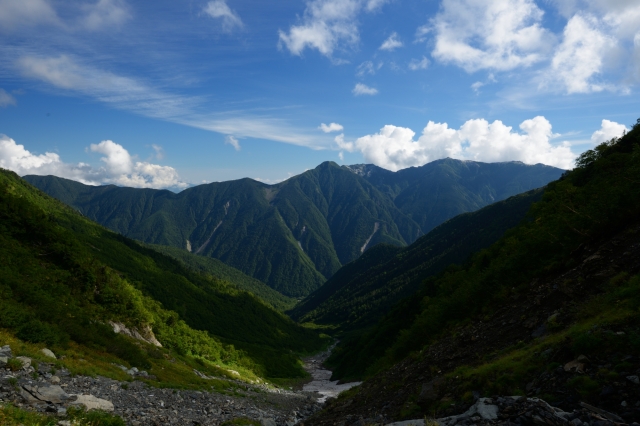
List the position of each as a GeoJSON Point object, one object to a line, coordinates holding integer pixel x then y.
{"type": "Point", "coordinates": [296, 234]}
{"type": "Point", "coordinates": [599, 197]}
{"type": "Point", "coordinates": [64, 278]}
{"type": "Point", "coordinates": [215, 268]}
{"type": "Point", "coordinates": [363, 291]}
{"type": "Point", "coordinates": [14, 416]}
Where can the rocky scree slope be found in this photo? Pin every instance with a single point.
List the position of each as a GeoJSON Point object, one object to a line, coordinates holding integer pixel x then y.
{"type": "Point", "coordinates": [41, 387]}
{"type": "Point", "coordinates": [296, 234]}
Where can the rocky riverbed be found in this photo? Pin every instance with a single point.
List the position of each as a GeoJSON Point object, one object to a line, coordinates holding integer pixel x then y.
{"type": "Point", "coordinates": [321, 383]}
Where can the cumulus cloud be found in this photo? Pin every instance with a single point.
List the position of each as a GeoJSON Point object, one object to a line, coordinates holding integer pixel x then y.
{"type": "Point", "coordinates": [235, 143]}
{"type": "Point", "coordinates": [608, 130]}
{"type": "Point", "coordinates": [396, 148]}
{"type": "Point", "coordinates": [363, 89]}
{"type": "Point", "coordinates": [419, 64]}
{"type": "Point", "coordinates": [333, 127]}
{"type": "Point", "coordinates": [218, 9]}
{"type": "Point", "coordinates": [105, 14]}
{"type": "Point", "coordinates": [327, 25]}
{"type": "Point", "coordinates": [580, 55]}
{"type": "Point", "coordinates": [118, 166]}
{"type": "Point", "coordinates": [489, 34]}
{"type": "Point", "coordinates": [6, 99]}
{"type": "Point", "coordinates": [392, 43]}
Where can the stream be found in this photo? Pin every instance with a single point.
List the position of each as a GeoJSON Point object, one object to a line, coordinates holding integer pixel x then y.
{"type": "Point", "coordinates": [321, 382]}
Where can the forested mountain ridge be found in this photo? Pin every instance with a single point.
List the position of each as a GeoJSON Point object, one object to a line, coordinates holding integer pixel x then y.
{"type": "Point", "coordinates": [64, 277]}
{"type": "Point", "coordinates": [363, 291]}
{"type": "Point", "coordinates": [296, 234]}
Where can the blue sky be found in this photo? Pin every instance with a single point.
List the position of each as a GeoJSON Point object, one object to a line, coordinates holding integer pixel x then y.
{"type": "Point", "coordinates": [175, 93]}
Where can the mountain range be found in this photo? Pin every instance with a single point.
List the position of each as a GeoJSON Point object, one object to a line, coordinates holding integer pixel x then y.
{"type": "Point", "coordinates": [295, 235]}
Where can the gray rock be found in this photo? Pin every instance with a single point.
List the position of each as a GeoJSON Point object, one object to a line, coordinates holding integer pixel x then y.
{"type": "Point", "coordinates": [3, 361]}
{"type": "Point", "coordinates": [90, 402]}
{"type": "Point", "coordinates": [46, 352]}
{"type": "Point", "coordinates": [54, 379]}
{"type": "Point", "coordinates": [5, 351]}
{"type": "Point", "coordinates": [634, 379]}
{"type": "Point", "coordinates": [268, 421]}
{"type": "Point", "coordinates": [484, 409]}
{"type": "Point", "coordinates": [51, 394]}
{"type": "Point", "coordinates": [26, 361]}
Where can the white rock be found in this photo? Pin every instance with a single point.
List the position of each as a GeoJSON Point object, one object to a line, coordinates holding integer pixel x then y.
{"type": "Point", "coordinates": [46, 352]}
{"type": "Point", "coordinates": [26, 361]}
{"type": "Point", "coordinates": [90, 402]}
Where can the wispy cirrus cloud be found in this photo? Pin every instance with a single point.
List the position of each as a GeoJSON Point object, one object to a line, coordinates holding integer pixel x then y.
{"type": "Point", "coordinates": [220, 10]}
{"type": "Point", "coordinates": [6, 99]}
{"type": "Point", "coordinates": [391, 43]}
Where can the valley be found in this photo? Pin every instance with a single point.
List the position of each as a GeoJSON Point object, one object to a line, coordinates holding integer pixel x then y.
{"type": "Point", "coordinates": [456, 293]}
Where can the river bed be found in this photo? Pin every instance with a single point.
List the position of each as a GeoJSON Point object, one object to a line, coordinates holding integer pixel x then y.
{"type": "Point", "coordinates": [321, 382]}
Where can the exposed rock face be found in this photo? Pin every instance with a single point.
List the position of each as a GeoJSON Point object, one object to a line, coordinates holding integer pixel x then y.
{"type": "Point", "coordinates": [146, 335]}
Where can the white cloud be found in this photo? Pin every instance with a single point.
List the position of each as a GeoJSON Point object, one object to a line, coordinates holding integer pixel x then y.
{"type": "Point", "coordinates": [489, 34]}
{"type": "Point", "coordinates": [608, 131]}
{"type": "Point", "coordinates": [363, 89]}
{"type": "Point", "coordinates": [395, 148]}
{"type": "Point", "coordinates": [218, 9]}
{"type": "Point", "coordinates": [375, 4]}
{"type": "Point", "coordinates": [392, 43]}
{"type": "Point", "coordinates": [105, 14]}
{"type": "Point", "coordinates": [6, 99]}
{"type": "Point", "coordinates": [26, 13]}
{"type": "Point", "coordinates": [421, 64]}
{"type": "Point", "coordinates": [119, 167]}
{"type": "Point", "coordinates": [476, 86]}
{"type": "Point", "coordinates": [235, 143]}
{"type": "Point", "coordinates": [580, 56]}
{"type": "Point", "coordinates": [333, 127]}
{"type": "Point", "coordinates": [326, 25]}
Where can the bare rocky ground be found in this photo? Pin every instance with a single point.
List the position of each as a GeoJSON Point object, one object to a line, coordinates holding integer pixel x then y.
{"type": "Point", "coordinates": [140, 404]}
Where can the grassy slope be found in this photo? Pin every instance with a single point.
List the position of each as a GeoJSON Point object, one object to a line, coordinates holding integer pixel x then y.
{"type": "Point", "coordinates": [218, 269]}
{"type": "Point", "coordinates": [358, 295]}
{"type": "Point", "coordinates": [597, 198]}
{"type": "Point", "coordinates": [61, 271]}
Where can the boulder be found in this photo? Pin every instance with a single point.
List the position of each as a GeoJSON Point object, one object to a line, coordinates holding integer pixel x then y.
{"type": "Point", "coordinates": [90, 402]}
{"type": "Point", "coordinates": [54, 379]}
{"type": "Point", "coordinates": [3, 361]}
{"type": "Point", "coordinates": [5, 351]}
{"type": "Point", "coordinates": [26, 361]}
{"type": "Point", "coordinates": [50, 394]}
{"type": "Point", "coordinates": [634, 379]}
{"type": "Point", "coordinates": [46, 352]}
{"type": "Point", "coordinates": [267, 421]}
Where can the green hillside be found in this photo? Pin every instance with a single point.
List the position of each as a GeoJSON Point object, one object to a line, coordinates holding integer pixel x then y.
{"type": "Point", "coordinates": [360, 293]}
{"type": "Point", "coordinates": [64, 276]}
{"type": "Point", "coordinates": [296, 234]}
{"type": "Point", "coordinates": [218, 269]}
{"type": "Point", "coordinates": [598, 198]}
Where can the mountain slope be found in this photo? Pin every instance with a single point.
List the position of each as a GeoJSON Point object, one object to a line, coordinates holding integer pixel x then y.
{"type": "Point", "coordinates": [296, 234]}
{"type": "Point", "coordinates": [360, 293]}
{"type": "Point", "coordinates": [61, 273]}
{"type": "Point", "coordinates": [570, 248]}
{"type": "Point", "coordinates": [442, 189]}
{"type": "Point", "coordinates": [218, 269]}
